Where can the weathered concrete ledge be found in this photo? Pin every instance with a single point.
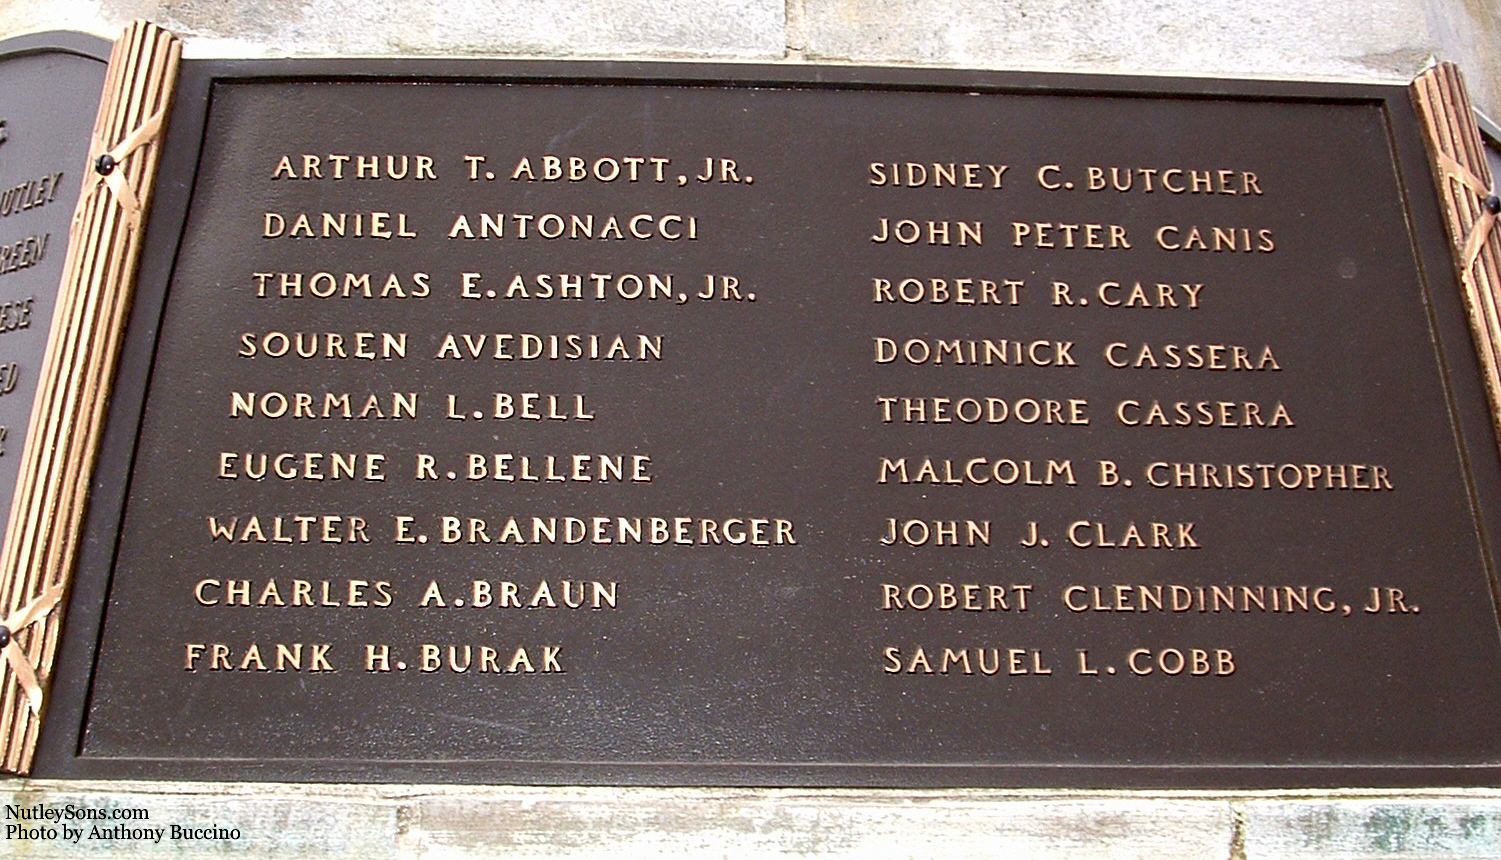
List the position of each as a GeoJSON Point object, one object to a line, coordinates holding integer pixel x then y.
{"type": "Point", "coordinates": [376, 822]}
{"type": "Point", "coordinates": [1381, 41]}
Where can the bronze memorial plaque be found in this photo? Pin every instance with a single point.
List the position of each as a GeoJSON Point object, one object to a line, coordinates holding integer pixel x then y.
{"type": "Point", "coordinates": [49, 92]}
{"type": "Point", "coordinates": [800, 426]}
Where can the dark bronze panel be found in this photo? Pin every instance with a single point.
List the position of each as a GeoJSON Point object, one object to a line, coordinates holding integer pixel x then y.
{"type": "Point", "coordinates": [1247, 371]}
{"type": "Point", "coordinates": [50, 85]}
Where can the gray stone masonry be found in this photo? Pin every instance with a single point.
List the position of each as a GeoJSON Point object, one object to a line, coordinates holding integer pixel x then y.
{"type": "Point", "coordinates": [1361, 40]}
{"type": "Point", "coordinates": [452, 822]}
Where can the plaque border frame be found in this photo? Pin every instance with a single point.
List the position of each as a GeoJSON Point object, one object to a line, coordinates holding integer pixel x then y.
{"type": "Point", "coordinates": [1470, 417]}
{"type": "Point", "coordinates": [57, 41]}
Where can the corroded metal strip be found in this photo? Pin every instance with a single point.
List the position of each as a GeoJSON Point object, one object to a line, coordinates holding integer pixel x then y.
{"type": "Point", "coordinates": [67, 421]}
{"type": "Point", "coordinates": [1466, 188]}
